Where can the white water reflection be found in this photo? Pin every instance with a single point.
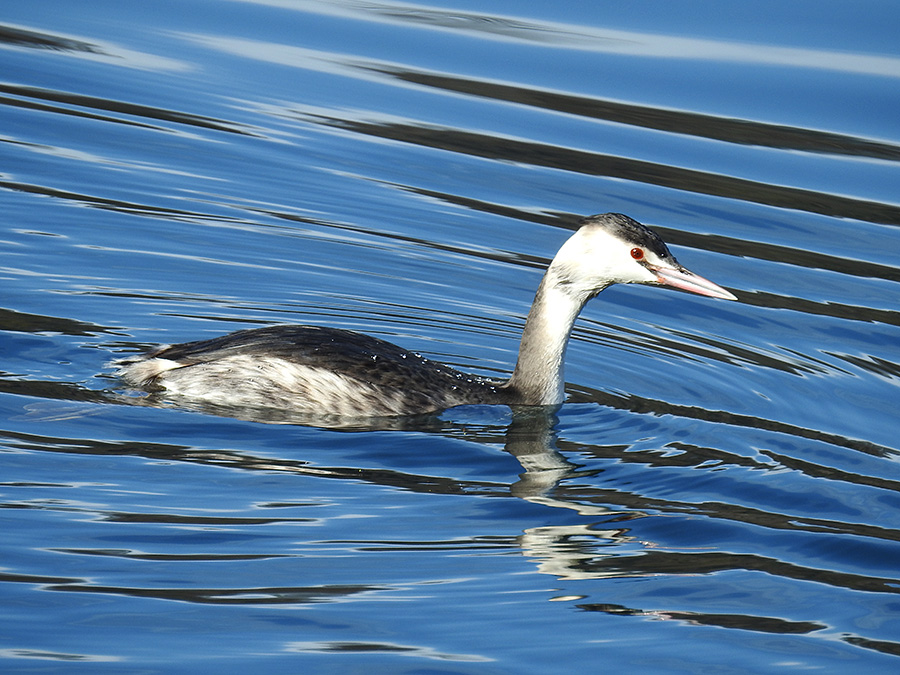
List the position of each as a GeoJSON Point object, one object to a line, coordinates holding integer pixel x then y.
{"type": "Point", "coordinates": [567, 36]}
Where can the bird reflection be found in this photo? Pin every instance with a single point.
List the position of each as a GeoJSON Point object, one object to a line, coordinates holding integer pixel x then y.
{"type": "Point", "coordinates": [531, 437]}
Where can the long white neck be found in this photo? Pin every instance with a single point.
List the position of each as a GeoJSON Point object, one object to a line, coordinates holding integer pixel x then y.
{"type": "Point", "coordinates": [539, 377]}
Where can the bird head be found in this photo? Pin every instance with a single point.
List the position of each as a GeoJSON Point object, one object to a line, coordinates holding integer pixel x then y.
{"type": "Point", "coordinates": [614, 249]}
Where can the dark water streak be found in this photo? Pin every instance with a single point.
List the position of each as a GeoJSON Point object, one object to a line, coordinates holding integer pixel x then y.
{"type": "Point", "coordinates": [120, 107]}
{"type": "Point", "coordinates": [738, 131]}
{"type": "Point", "coordinates": [610, 166]}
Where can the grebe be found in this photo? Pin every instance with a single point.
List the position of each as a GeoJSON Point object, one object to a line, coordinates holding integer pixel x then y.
{"type": "Point", "coordinates": [339, 372]}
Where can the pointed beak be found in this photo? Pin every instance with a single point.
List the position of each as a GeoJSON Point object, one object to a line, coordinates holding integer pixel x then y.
{"type": "Point", "coordinates": [688, 281]}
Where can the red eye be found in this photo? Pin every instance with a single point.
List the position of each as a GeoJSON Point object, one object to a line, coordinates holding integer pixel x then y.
{"type": "Point", "coordinates": [637, 253]}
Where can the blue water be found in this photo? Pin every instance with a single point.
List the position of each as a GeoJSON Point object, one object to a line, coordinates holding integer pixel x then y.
{"type": "Point", "coordinates": [721, 493]}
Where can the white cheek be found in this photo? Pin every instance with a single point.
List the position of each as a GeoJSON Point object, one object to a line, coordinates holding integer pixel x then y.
{"type": "Point", "coordinates": [642, 275]}
{"type": "Point", "coordinates": [626, 270]}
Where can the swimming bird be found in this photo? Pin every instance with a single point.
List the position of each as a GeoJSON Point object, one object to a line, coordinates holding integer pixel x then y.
{"type": "Point", "coordinates": [339, 372]}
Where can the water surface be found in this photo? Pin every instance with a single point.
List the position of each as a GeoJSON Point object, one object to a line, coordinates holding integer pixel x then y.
{"type": "Point", "coordinates": [719, 493]}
